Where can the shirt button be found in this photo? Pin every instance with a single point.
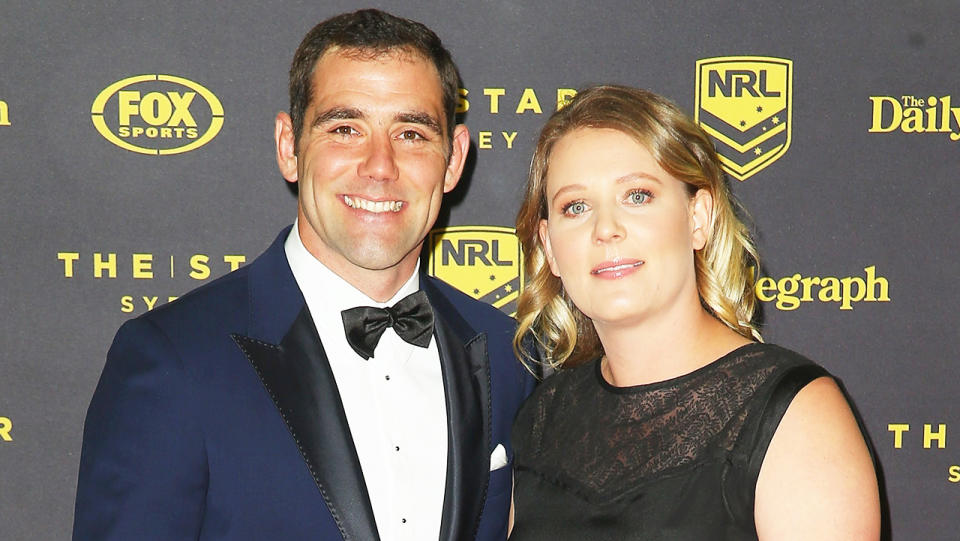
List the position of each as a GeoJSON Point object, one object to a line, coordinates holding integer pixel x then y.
{"type": "Point", "coordinates": [387, 377]}
{"type": "Point", "coordinates": [403, 520]}
{"type": "Point", "coordinates": [397, 447]}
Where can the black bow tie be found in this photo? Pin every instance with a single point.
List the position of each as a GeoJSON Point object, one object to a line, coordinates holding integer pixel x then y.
{"type": "Point", "coordinates": [411, 318]}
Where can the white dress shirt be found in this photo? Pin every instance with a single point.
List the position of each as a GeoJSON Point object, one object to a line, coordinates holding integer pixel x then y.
{"type": "Point", "coordinates": [394, 403]}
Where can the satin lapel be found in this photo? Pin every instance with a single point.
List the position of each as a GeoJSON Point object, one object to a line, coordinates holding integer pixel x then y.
{"type": "Point", "coordinates": [466, 380]}
{"type": "Point", "coordinates": [298, 378]}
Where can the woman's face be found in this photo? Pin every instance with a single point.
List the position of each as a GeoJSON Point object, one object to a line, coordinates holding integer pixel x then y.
{"type": "Point", "coordinates": [621, 232]}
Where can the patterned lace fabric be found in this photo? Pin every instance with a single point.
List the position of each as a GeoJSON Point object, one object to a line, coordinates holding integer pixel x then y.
{"type": "Point", "coordinates": [602, 442]}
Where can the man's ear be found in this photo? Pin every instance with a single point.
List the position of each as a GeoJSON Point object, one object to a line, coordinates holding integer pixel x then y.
{"type": "Point", "coordinates": [701, 218]}
{"type": "Point", "coordinates": [458, 157]}
{"type": "Point", "coordinates": [286, 147]}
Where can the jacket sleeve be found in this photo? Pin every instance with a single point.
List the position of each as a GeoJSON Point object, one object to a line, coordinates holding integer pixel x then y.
{"type": "Point", "coordinates": [143, 467]}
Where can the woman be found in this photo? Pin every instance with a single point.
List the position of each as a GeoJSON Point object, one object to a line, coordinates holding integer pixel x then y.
{"type": "Point", "coordinates": [667, 418]}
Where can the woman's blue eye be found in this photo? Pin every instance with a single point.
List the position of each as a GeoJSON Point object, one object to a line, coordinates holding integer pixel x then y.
{"type": "Point", "coordinates": [577, 207]}
{"type": "Point", "coordinates": [638, 197]}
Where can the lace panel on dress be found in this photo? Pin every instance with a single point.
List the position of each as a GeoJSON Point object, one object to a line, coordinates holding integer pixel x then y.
{"type": "Point", "coordinates": [604, 439]}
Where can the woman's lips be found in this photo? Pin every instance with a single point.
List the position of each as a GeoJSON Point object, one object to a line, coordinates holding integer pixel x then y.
{"type": "Point", "coordinates": [616, 269]}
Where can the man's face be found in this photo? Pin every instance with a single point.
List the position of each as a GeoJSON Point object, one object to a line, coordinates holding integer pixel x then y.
{"type": "Point", "coordinates": [372, 162]}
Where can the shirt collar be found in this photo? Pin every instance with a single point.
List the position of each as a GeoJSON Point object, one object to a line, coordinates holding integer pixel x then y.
{"type": "Point", "coordinates": [326, 293]}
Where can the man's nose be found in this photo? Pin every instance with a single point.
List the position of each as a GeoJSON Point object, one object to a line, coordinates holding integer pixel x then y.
{"type": "Point", "coordinates": [379, 162]}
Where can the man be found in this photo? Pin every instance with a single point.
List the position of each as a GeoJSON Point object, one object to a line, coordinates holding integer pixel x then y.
{"type": "Point", "coordinates": [244, 410]}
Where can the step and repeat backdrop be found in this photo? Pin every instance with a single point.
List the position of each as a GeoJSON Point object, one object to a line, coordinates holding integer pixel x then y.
{"type": "Point", "coordinates": [137, 162]}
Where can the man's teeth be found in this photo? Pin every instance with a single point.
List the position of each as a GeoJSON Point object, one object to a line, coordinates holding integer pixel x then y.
{"type": "Point", "coordinates": [372, 206]}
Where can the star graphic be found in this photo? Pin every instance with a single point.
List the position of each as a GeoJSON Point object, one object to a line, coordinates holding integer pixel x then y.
{"type": "Point", "coordinates": [492, 277]}
{"type": "Point", "coordinates": [476, 291]}
{"type": "Point", "coordinates": [498, 296]}
{"type": "Point", "coordinates": [764, 128]}
{"type": "Point", "coordinates": [759, 108]}
{"type": "Point", "coordinates": [507, 288]}
{"type": "Point", "coordinates": [743, 123]}
{"type": "Point", "coordinates": [757, 151]}
{"type": "Point", "coordinates": [775, 120]}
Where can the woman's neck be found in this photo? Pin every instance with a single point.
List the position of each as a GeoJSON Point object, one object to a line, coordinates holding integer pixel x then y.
{"type": "Point", "coordinates": [665, 347]}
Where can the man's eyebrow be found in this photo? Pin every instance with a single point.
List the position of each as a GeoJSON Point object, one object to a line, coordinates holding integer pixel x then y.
{"type": "Point", "coordinates": [337, 113]}
{"type": "Point", "coordinates": [417, 117]}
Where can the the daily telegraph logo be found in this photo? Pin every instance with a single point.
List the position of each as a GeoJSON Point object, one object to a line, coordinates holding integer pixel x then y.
{"type": "Point", "coordinates": [911, 114]}
{"type": "Point", "coordinates": [484, 262]}
{"type": "Point", "coordinates": [745, 103]}
{"type": "Point", "coordinates": [157, 114]}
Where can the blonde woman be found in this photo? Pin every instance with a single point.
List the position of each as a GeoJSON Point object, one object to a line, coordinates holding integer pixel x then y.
{"type": "Point", "coordinates": [668, 418]}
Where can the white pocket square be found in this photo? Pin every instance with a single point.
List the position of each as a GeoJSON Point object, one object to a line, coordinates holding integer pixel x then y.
{"type": "Point", "coordinates": [498, 458]}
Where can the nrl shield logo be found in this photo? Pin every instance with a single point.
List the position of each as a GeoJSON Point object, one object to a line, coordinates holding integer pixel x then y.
{"type": "Point", "coordinates": [745, 103]}
{"type": "Point", "coordinates": [482, 261]}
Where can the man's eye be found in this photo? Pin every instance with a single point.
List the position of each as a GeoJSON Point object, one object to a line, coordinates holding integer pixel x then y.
{"type": "Point", "coordinates": [344, 130]}
{"type": "Point", "coordinates": [411, 135]}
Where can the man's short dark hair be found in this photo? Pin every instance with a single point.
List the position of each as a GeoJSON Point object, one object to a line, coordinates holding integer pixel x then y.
{"type": "Point", "coordinates": [370, 32]}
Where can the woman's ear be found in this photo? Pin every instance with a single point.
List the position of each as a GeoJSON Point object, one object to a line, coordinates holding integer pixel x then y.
{"type": "Point", "coordinates": [547, 249]}
{"type": "Point", "coordinates": [701, 218]}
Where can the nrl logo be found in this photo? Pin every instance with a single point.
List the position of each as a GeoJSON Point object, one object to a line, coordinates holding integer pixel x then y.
{"type": "Point", "coordinates": [745, 103]}
{"type": "Point", "coordinates": [482, 261]}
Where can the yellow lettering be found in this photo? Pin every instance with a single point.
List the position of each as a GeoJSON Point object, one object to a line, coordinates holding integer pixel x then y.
{"type": "Point", "coordinates": [940, 436]}
{"type": "Point", "coordinates": [808, 283]}
{"type": "Point", "coordinates": [201, 271]}
{"type": "Point", "coordinates": [847, 295]}
{"type": "Point", "coordinates": [953, 474]}
{"type": "Point", "coordinates": [877, 125]}
{"type": "Point", "coordinates": [764, 285]}
{"type": "Point", "coordinates": [898, 429]}
{"type": "Point", "coordinates": [155, 109]}
{"type": "Point", "coordinates": [912, 120]}
{"type": "Point", "coordinates": [128, 105]}
{"type": "Point", "coordinates": [172, 298]}
{"type": "Point", "coordinates": [873, 282]}
{"type": "Point", "coordinates": [181, 109]}
{"type": "Point", "coordinates": [830, 290]}
{"type": "Point", "coordinates": [100, 265]}
{"type": "Point", "coordinates": [483, 139]}
{"type": "Point", "coordinates": [494, 94]}
{"type": "Point", "coordinates": [143, 265]}
{"type": "Point", "coordinates": [234, 261]}
{"type": "Point", "coordinates": [528, 102]}
{"type": "Point", "coordinates": [126, 304]}
{"type": "Point", "coordinates": [787, 286]}
{"type": "Point", "coordinates": [6, 425]}
{"type": "Point", "coordinates": [68, 258]}
{"type": "Point", "coordinates": [463, 104]}
{"type": "Point", "coordinates": [564, 95]}
{"type": "Point", "coordinates": [509, 137]}
{"type": "Point", "coordinates": [4, 114]}
{"type": "Point", "coordinates": [150, 301]}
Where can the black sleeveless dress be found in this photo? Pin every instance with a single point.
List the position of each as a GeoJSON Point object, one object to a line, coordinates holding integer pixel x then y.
{"type": "Point", "coordinates": [674, 460]}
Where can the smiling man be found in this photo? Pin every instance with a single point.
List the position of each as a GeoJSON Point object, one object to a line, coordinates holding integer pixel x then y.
{"type": "Point", "coordinates": [329, 389]}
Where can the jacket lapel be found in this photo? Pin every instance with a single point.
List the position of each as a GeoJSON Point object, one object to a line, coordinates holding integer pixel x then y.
{"type": "Point", "coordinates": [466, 380]}
{"type": "Point", "coordinates": [284, 349]}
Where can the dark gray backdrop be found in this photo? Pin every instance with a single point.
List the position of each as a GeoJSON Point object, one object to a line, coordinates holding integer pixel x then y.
{"type": "Point", "coordinates": [839, 200]}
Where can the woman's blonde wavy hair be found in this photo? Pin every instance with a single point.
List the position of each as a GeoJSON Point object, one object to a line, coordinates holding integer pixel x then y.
{"type": "Point", "coordinates": [725, 266]}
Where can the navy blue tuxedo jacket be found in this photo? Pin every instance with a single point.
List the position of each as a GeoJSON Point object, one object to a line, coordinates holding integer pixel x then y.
{"type": "Point", "coordinates": [217, 417]}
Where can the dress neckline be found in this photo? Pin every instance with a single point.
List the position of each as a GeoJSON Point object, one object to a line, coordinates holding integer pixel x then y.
{"type": "Point", "coordinates": [655, 385]}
